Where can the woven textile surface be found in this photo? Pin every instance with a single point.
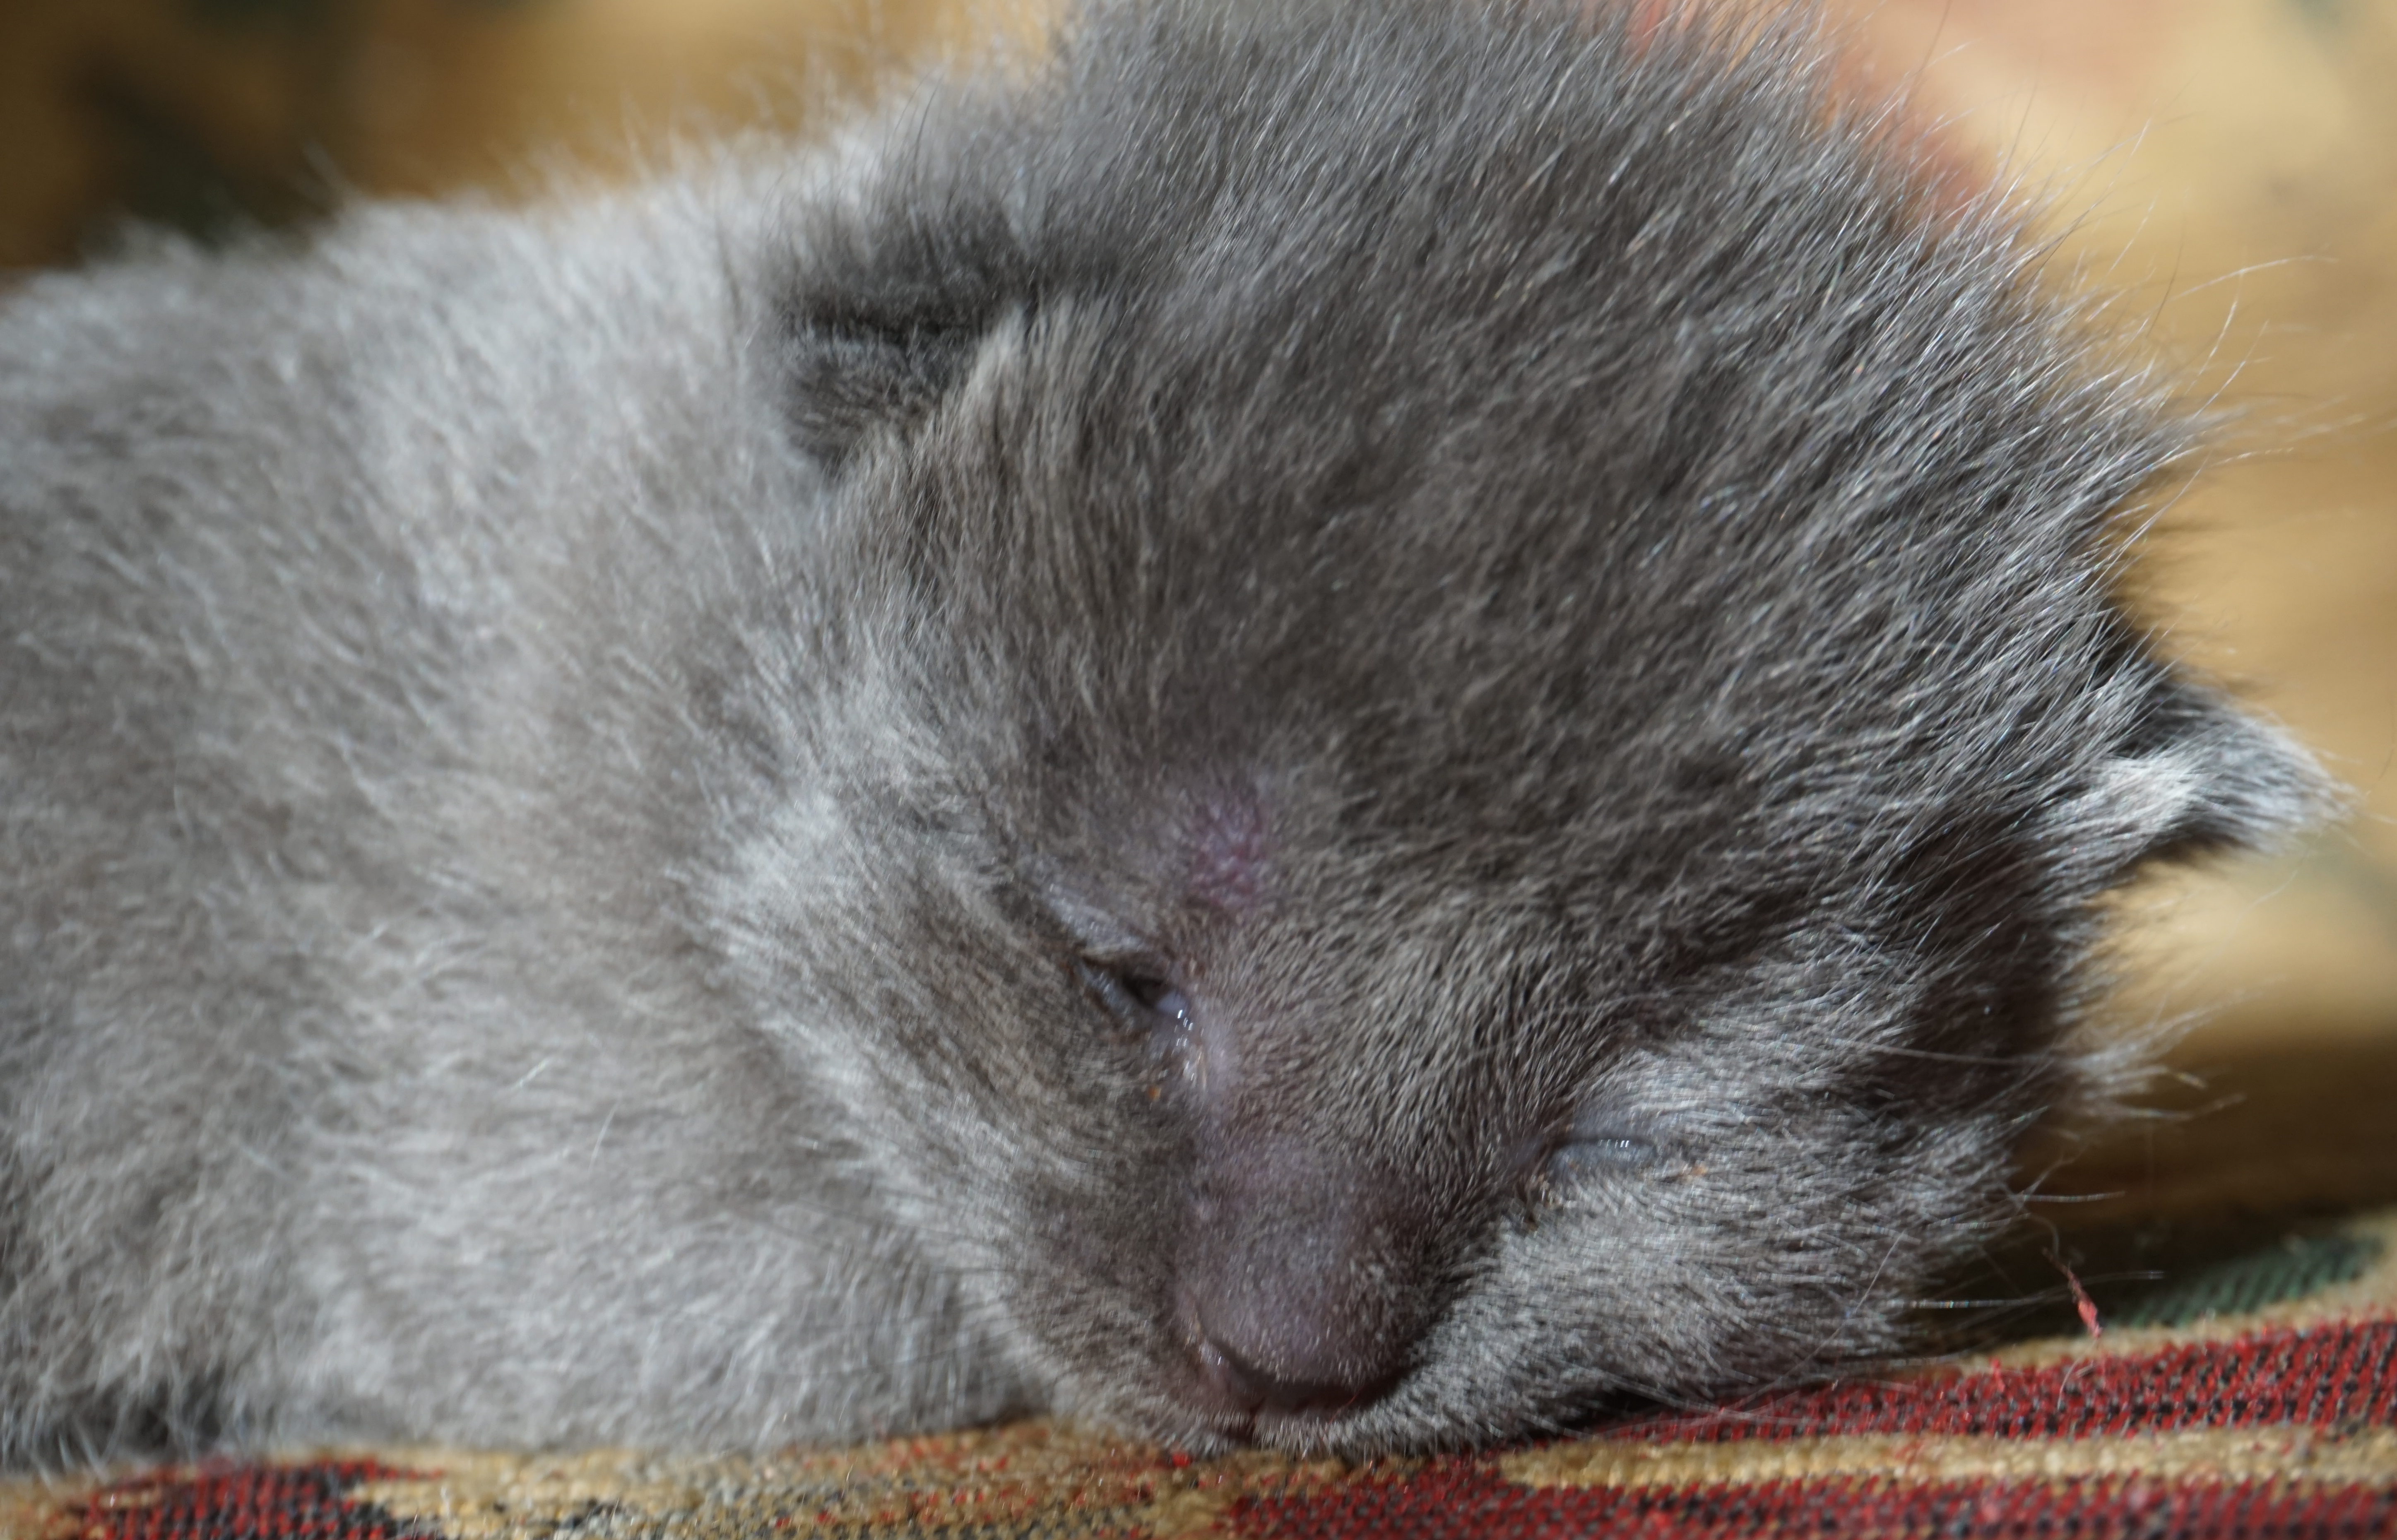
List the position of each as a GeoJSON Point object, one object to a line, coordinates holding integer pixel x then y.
{"type": "Point", "coordinates": [2254, 1398]}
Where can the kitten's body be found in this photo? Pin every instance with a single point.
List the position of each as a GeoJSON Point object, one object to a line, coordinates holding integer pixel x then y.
{"type": "Point", "coordinates": [1342, 726]}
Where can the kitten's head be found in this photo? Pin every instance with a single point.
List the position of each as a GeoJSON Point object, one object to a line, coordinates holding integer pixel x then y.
{"type": "Point", "coordinates": [1467, 716]}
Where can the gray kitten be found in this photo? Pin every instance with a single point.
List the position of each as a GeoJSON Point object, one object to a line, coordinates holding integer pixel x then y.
{"type": "Point", "coordinates": [1341, 724]}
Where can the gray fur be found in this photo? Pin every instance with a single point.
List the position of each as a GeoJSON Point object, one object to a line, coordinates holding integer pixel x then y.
{"type": "Point", "coordinates": [1428, 694]}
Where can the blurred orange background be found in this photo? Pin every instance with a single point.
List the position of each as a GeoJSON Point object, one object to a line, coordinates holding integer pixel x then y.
{"type": "Point", "coordinates": [2227, 167]}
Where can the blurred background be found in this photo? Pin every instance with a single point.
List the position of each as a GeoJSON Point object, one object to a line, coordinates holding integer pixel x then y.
{"type": "Point", "coordinates": [2227, 167]}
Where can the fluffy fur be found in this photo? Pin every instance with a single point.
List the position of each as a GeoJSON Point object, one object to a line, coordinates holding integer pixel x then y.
{"type": "Point", "coordinates": [1345, 724]}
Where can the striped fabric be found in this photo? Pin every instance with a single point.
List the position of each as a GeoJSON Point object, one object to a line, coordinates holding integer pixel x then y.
{"type": "Point", "coordinates": [2260, 1401]}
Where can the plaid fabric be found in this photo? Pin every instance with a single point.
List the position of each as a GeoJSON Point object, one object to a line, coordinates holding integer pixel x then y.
{"type": "Point", "coordinates": [2260, 1400]}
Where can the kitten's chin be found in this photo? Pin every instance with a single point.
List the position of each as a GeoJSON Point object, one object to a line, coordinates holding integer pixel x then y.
{"type": "Point", "coordinates": [1208, 1429]}
{"type": "Point", "coordinates": [1198, 1427]}
{"type": "Point", "coordinates": [1305, 1433]}
{"type": "Point", "coordinates": [1301, 1434]}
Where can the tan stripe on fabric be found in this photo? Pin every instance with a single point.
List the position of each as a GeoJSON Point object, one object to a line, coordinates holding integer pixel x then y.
{"type": "Point", "coordinates": [1070, 1478]}
{"type": "Point", "coordinates": [2312, 1455]}
{"type": "Point", "coordinates": [44, 1508]}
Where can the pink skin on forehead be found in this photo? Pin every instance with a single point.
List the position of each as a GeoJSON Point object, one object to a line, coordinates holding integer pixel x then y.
{"type": "Point", "coordinates": [1227, 851]}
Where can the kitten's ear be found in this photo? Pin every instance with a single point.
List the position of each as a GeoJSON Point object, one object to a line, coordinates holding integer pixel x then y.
{"type": "Point", "coordinates": [860, 364]}
{"type": "Point", "coordinates": [2197, 774]}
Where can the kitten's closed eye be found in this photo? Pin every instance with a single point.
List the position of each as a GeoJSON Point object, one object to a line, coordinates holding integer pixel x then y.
{"type": "Point", "coordinates": [1138, 993]}
{"type": "Point", "coordinates": [1606, 1142]}
{"type": "Point", "coordinates": [1598, 1155]}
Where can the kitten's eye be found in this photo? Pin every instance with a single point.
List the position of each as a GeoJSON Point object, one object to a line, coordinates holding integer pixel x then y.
{"type": "Point", "coordinates": [1141, 998]}
{"type": "Point", "coordinates": [1588, 1160]}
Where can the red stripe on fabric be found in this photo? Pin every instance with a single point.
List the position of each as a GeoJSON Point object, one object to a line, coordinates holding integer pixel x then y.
{"type": "Point", "coordinates": [2344, 1375]}
{"type": "Point", "coordinates": [233, 1501]}
{"type": "Point", "coordinates": [1468, 1501]}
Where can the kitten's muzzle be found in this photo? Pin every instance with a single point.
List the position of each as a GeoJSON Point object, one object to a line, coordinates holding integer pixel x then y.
{"type": "Point", "coordinates": [1302, 1286]}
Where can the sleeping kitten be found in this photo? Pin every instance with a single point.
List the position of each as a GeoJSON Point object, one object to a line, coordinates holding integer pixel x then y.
{"type": "Point", "coordinates": [1347, 725]}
